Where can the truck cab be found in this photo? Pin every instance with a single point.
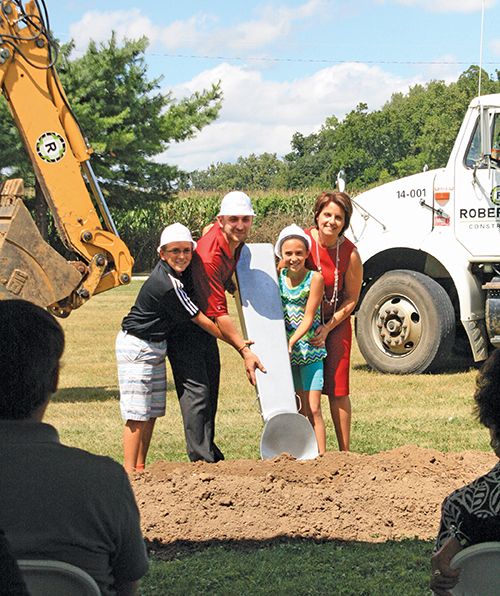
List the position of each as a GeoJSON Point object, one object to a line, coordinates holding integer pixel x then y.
{"type": "Point", "coordinates": [430, 246]}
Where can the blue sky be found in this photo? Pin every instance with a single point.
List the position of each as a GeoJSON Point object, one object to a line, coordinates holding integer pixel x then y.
{"type": "Point", "coordinates": [285, 66]}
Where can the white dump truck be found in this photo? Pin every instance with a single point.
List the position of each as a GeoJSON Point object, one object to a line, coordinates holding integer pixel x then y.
{"type": "Point", "coordinates": [430, 246]}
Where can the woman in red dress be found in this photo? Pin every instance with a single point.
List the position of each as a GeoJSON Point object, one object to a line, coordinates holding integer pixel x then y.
{"type": "Point", "coordinates": [338, 261]}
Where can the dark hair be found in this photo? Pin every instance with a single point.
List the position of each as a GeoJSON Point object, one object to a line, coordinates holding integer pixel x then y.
{"type": "Point", "coordinates": [31, 345]}
{"type": "Point", "coordinates": [487, 396]}
{"type": "Point", "coordinates": [342, 199]}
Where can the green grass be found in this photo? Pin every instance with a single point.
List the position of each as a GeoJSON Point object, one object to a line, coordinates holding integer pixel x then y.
{"type": "Point", "coordinates": [297, 568]}
{"type": "Point", "coordinates": [388, 410]}
{"type": "Point", "coordinates": [431, 411]}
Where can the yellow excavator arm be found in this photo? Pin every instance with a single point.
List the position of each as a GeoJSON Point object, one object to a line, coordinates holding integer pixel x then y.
{"type": "Point", "coordinates": [60, 155]}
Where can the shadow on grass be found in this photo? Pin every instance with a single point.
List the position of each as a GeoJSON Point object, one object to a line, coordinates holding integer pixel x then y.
{"type": "Point", "coordinates": [91, 394]}
{"type": "Point", "coordinates": [180, 549]}
{"type": "Point", "coordinates": [454, 365]}
{"type": "Point", "coordinates": [84, 395]}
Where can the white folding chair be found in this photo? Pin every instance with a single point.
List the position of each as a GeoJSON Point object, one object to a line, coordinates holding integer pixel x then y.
{"type": "Point", "coordinates": [480, 570]}
{"type": "Point", "coordinates": [55, 578]}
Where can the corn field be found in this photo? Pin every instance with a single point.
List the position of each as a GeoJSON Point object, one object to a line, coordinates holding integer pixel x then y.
{"type": "Point", "coordinates": [141, 228]}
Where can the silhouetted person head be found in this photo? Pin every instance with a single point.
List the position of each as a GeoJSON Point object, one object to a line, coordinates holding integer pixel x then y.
{"type": "Point", "coordinates": [31, 345]}
{"type": "Point", "coordinates": [487, 396]}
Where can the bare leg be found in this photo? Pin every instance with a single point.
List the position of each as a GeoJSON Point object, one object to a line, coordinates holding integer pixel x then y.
{"type": "Point", "coordinates": [132, 438]}
{"type": "Point", "coordinates": [313, 398]}
{"type": "Point", "coordinates": [340, 407]}
{"type": "Point", "coordinates": [146, 435]}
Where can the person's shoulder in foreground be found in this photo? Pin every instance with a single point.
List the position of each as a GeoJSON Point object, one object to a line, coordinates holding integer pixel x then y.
{"type": "Point", "coordinates": [58, 502]}
{"type": "Point", "coordinates": [471, 514]}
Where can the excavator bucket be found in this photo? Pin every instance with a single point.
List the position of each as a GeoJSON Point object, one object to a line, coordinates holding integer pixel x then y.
{"type": "Point", "coordinates": [29, 268]}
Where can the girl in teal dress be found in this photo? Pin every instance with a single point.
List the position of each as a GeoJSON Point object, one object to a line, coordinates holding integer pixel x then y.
{"type": "Point", "coordinates": [301, 294]}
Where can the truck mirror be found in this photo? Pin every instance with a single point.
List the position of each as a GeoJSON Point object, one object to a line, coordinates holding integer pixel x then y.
{"type": "Point", "coordinates": [485, 132]}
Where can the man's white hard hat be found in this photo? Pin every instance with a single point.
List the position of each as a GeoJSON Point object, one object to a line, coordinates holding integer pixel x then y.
{"type": "Point", "coordinates": [291, 231]}
{"type": "Point", "coordinates": [236, 203]}
{"type": "Point", "coordinates": [176, 233]}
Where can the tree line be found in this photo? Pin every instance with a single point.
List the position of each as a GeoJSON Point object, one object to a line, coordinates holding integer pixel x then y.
{"type": "Point", "coordinates": [409, 132]}
{"type": "Point", "coordinates": [129, 123]}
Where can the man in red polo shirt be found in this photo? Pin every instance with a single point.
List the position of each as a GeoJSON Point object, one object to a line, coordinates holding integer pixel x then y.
{"type": "Point", "coordinates": [197, 370]}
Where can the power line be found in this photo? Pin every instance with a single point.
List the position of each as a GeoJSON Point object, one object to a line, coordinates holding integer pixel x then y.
{"type": "Point", "coordinates": [315, 60]}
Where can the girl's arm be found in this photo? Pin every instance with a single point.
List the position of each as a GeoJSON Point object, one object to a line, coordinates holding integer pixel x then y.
{"type": "Point", "coordinates": [352, 287]}
{"type": "Point", "coordinates": [313, 301]}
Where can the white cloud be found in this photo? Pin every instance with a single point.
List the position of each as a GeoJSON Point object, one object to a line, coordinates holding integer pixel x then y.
{"type": "Point", "coordinates": [98, 26]}
{"type": "Point", "coordinates": [261, 116]}
{"type": "Point", "coordinates": [275, 24]}
{"type": "Point", "coordinates": [495, 47]}
{"type": "Point", "coordinates": [181, 33]}
{"type": "Point", "coordinates": [202, 32]}
{"type": "Point", "coordinates": [446, 68]}
{"type": "Point", "coordinates": [458, 6]}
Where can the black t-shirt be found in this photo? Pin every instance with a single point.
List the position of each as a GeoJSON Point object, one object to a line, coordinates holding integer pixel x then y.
{"type": "Point", "coordinates": [11, 580]}
{"type": "Point", "coordinates": [162, 304]}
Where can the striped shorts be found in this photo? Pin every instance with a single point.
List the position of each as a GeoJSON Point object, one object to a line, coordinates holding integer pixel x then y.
{"type": "Point", "coordinates": [142, 377]}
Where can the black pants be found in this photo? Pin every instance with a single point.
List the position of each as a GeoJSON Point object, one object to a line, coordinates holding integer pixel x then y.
{"type": "Point", "coordinates": [194, 358]}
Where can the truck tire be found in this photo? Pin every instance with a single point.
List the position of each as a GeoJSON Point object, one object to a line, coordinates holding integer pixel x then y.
{"type": "Point", "coordinates": [405, 324]}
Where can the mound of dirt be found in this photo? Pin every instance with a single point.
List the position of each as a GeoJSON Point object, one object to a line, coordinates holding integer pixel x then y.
{"type": "Point", "coordinates": [342, 496]}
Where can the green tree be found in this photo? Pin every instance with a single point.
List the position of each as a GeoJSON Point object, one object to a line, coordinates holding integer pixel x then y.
{"type": "Point", "coordinates": [410, 131]}
{"type": "Point", "coordinates": [218, 176]}
{"type": "Point", "coordinates": [255, 172]}
{"type": "Point", "coordinates": [129, 121]}
{"type": "Point", "coordinates": [309, 163]}
{"type": "Point", "coordinates": [14, 161]}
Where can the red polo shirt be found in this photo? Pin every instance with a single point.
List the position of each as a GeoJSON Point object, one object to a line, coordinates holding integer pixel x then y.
{"type": "Point", "coordinates": [212, 267]}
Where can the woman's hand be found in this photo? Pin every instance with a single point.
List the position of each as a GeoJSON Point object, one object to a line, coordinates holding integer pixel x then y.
{"type": "Point", "coordinates": [443, 576]}
{"type": "Point", "coordinates": [320, 335]}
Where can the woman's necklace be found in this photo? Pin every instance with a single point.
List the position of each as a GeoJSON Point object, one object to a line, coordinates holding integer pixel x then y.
{"type": "Point", "coordinates": [335, 296]}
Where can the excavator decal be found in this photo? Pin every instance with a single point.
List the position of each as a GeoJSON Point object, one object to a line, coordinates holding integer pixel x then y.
{"type": "Point", "coordinates": [51, 147]}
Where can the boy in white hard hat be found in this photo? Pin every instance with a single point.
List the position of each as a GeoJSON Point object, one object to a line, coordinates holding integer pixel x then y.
{"type": "Point", "coordinates": [163, 304]}
{"type": "Point", "coordinates": [197, 374]}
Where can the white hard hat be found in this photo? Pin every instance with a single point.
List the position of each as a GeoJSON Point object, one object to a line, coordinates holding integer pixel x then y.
{"type": "Point", "coordinates": [292, 231]}
{"type": "Point", "coordinates": [176, 233]}
{"type": "Point", "coordinates": [236, 203]}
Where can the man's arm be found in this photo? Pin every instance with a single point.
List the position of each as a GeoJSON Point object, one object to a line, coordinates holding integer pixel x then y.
{"type": "Point", "coordinates": [229, 330]}
{"type": "Point", "coordinates": [210, 327]}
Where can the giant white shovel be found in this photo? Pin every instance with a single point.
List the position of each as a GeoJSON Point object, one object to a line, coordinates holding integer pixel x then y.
{"type": "Point", "coordinates": [261, 317]}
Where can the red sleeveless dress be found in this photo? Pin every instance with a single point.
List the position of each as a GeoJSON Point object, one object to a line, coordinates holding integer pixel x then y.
{"type": "Point", "coordinates": [338, 342]}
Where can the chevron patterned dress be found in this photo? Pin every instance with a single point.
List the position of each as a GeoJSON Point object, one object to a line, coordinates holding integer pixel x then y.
{"type": "Point", "coordinates": [294, 302]}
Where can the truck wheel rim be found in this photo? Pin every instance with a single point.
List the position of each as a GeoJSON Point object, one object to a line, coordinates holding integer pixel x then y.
{"type": "Point", "coordinates": [397, 326]}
